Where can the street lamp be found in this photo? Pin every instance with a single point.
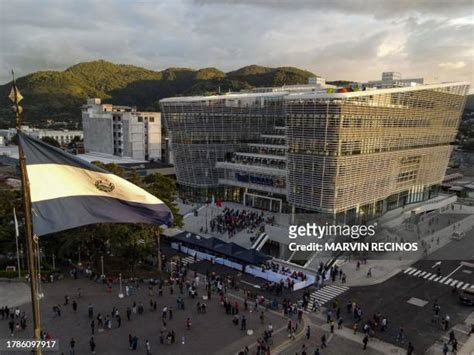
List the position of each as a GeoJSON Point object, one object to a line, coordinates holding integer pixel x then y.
{"type": "Point", "coordinates": [120, 295]}
{"type": "Point", "coordinates": [102, 276]}
{"type": "Point", "coordinates": [79, 256]}
{"type": "Point", "coordinates": [40, 291]}
{"type": "Point", "coordinates": [54, 263]}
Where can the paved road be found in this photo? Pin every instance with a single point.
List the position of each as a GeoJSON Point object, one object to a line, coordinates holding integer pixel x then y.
{"type": "Point", "coordinates": [407, 298]}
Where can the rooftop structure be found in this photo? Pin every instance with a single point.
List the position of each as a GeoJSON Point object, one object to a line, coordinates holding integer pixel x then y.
{"type": "Point", "coordinates": [394, 79]}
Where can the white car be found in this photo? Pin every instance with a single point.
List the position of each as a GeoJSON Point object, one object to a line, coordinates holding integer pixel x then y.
{"type": "Point", "coordinates": [457, 235]}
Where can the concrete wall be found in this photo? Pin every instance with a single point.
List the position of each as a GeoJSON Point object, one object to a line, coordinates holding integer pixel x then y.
{"type": "Point", "coordinates": [137, 143]}
{"type": "Point", "coordinates": [98, 133]}
{"type": "Point", "coordinates": [154, 140]}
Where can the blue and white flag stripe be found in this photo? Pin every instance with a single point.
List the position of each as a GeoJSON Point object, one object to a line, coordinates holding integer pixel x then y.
{"type": "Point", "coordinates": [67, 192]}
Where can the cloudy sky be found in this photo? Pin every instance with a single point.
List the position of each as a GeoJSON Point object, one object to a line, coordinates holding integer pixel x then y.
{"type": "Point", "coordinates": [337, 39]}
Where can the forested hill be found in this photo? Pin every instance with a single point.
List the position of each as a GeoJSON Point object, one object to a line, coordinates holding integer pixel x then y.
{"type": "Point", "coordinates": [56, 96]}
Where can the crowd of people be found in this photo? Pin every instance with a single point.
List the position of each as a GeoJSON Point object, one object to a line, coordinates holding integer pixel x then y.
{"type": "Point", "coordinates": [281, 269]}
{"type": "Point", "coordinates": [181, 282]}
{"type": "Point", "coordinates": [233, 221]}
{"type": "Point", "coordinates": [16, 319]}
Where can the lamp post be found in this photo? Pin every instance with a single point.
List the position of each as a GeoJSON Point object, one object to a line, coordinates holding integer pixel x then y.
{"type": "Point", "coordinates": [21, 256]}
{"type": "Point", "coordinates": [54, 262]}
{"type": "Point", "coordinates": [120, 295]}
{"type": "Point", "coordinates": [79, 263]}
{"type": "Point", "coordinates": [40, 291]}
{"type": "Point", "coordinates": [102, 267]}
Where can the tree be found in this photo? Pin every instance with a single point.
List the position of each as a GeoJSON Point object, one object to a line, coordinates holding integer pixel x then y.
{"type": "Point", "coordinates": [164, 188]}
{"type": "Point", "coordinates": [468, 145]}
{"type": "Point", "coordinates": [51, 141]}
{"type": "Point", "coordinates": [112, 167]}
{"type": "Point", "coordinates": [9, 199]}
{"type": "Point", "coordinates": [73, 142]}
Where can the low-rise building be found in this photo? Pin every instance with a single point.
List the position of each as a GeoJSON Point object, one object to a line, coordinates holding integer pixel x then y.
{"type": "Point", "coordinates": [63, 137]}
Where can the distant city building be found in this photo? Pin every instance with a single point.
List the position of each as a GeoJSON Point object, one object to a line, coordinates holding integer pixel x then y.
{"type": "Point", "coordinates": [394, 79]}
{"type": "Point", "coordinates": [350, 154]}
{"type": "Point", "coordinates": [63, 137]}
{"type": "Point", "coordinates": [121, 131]}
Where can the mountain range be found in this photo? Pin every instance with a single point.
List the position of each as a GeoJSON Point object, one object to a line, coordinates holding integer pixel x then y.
{"type": "Point", "coordinates": [51, 97]}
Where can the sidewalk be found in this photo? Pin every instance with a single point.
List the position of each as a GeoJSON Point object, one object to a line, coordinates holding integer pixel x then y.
{"type": "Point", "coordinates": [374, 343]}
{"type": "Point", "coordinates": [468, 347]}
{"type": "Point", "coordinates": [390, 263]}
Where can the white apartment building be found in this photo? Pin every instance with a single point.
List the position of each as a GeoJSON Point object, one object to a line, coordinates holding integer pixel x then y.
{"type": "Point", "coordinates": [121, 131]}
{"type": "Point", "coordinates": [63, 137]}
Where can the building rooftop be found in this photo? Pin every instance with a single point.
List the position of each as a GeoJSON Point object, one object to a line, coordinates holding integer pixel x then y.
{"type": "Point", "coordinates": [108, 158]}
{"type": "Point", "coordinates": [371, 91]}
{"type": "Point", "coordinates": [320, 93]}
{"type": "Point", "coordinates": [147, 165]}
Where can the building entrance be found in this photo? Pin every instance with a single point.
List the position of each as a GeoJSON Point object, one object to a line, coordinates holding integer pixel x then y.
{"type": "Point", "coordinates": [263, 202]}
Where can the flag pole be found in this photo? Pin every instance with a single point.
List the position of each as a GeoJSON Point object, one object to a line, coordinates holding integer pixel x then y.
{"type": "Point", "coordinates": [31, 241]}
{"type": "Point", "coordinates": [17, 235]}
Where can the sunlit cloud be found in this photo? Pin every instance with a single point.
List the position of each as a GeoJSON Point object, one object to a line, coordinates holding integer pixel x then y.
{"type": "Point", "coordinates": [353, 40]}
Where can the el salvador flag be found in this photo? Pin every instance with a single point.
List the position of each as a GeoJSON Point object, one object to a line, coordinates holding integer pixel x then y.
{"type": "Point", "coordinates": [67, 192]}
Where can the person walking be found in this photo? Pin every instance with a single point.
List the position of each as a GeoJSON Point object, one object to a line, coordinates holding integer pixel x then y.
{"type": "Point", "coordinates": [119, 321]}
{"type": "Point", "coordinates": [446, 322]}
{"type": "Point", "coordinates": [454, 346]}
{"type": "Point", "coordinates": [129, 313]}
{"type": "Point", "coordinates": [134, 342]}
{"type": "Point", "coordinates": [72, 344]}
{"type": "Point", "coordinates": [92, 345]}
{"type": "Point", "coordinates": [90, 310]}
{"type": "Point", "coordinates": [323, 341]}
{"type": "Point", "coordinates": [243, 323]}
{"type": "Point", "coordinates": [401, 335]}
{"type": "Point", "coordinates": [92, 326]}
{"type": "Point", "coordinates": [410, 349]}
{"type": "Point", "coordinates": [445, 349]}
{"type": "Point", "coordinates": [308, 332]}
{"type": "Point", "coordinates": [74, 305]}
{"type": "Point", "coordinates": [339, 323]}
{"type": "Point", "coordinates": [11, 326]}
{"type": "Point", "coordinates": [365, 341]}
{"type": "Point", "coordinates": [148, 347]}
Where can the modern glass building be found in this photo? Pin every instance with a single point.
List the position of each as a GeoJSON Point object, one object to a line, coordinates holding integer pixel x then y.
{"type": "Point", "coordinates": [351, 154]}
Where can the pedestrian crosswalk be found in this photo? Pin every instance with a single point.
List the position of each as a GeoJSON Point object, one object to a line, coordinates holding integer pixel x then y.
{"type": "Point", "coordinates": [325, 294]}
{"type": "Point", "coordinates": [445, 280]}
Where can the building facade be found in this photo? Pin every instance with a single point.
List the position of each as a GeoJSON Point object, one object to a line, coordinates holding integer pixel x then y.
{"type": "Point", "coordinates": [122, 131]}
{"type": "Point", "coordinates": [63, 137]}
{"type": "Point", "coordinates": [350, 155]}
